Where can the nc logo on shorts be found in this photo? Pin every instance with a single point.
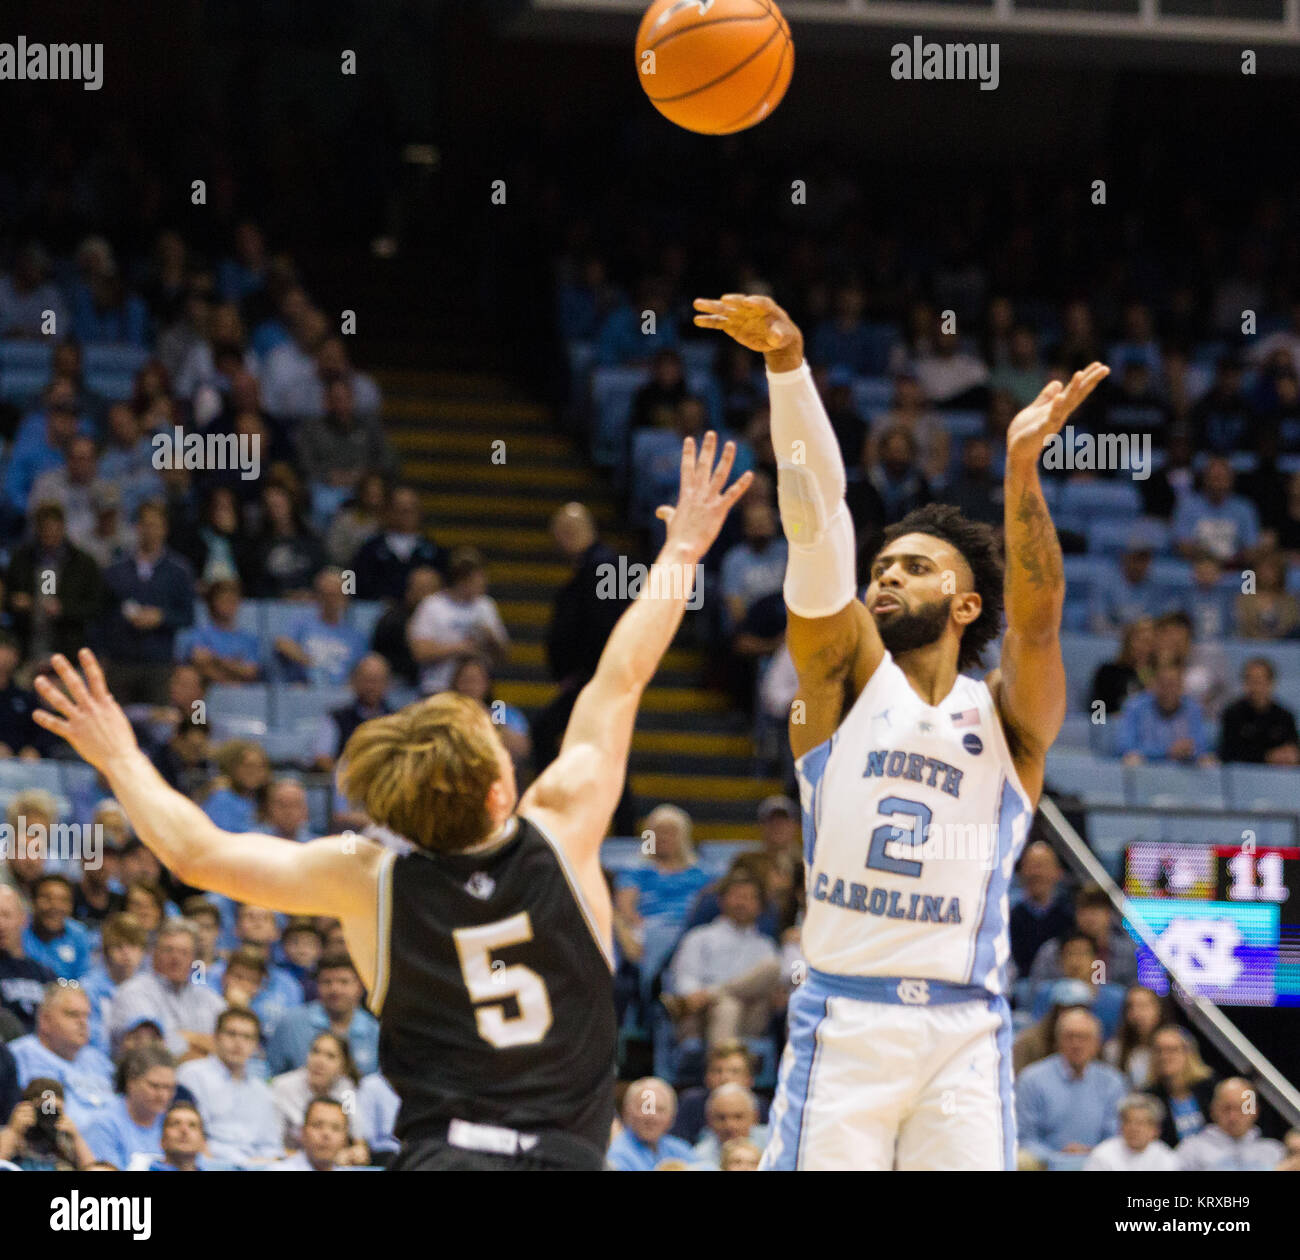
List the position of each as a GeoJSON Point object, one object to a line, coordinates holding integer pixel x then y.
{"type": "Point", "coordinates": [972, 744]}
{"type": "Point", "coordinates": [914, 992]}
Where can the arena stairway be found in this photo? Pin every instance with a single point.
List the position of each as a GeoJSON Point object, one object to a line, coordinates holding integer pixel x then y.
{"type": "Point", "coordinates": [689, 748]}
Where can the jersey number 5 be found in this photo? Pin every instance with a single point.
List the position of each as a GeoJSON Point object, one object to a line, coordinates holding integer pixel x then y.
{"type": "Point", "coordinates": [877, 858]}
{"type": "Point", "coordinates": [491, 983]}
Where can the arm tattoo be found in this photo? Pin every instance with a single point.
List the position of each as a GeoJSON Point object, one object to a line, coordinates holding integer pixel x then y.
{"type": "Point", "coordinates": [1037, 549]}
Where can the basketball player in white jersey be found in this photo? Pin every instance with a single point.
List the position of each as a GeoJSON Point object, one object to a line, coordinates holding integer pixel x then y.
{"type": "Point", "coordinates": [918, 786]}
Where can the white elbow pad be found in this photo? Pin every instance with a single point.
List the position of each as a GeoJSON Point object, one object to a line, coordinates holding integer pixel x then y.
{"type": "Point", "coordinates": [821, 576]}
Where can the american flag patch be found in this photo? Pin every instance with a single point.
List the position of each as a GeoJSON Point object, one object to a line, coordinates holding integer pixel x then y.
{"type": "Point", "coordinates": [967, 717]}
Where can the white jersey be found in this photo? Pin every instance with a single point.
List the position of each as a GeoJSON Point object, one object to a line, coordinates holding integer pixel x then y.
{"type": "Point", "coordinates": [913, 817]}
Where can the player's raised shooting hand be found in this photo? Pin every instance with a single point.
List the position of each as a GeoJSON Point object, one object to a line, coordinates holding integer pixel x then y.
{"type": "Point", "coordinates": [758, 324]}
{"type": "Point", "coordinates": [1047, 414]}
{"type": "Point", "coordinates": [702, 503]}
{"type": "Point", "coordinates": [92, 722]}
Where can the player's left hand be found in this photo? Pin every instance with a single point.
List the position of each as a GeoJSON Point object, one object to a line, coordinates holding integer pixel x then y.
{"type": "Point", "coordinates": [1047, 414]}
{"type": "Point", "coordinates": [92, 722]}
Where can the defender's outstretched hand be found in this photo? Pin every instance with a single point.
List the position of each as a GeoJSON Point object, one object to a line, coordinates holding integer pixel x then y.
{"type": "Point", "coordinates": [757, 323]}
{"type": "Point", "coordinates": [1048, 412]}
{"type": "Point", "coordinates": [92, 722]}
{"type": "Point", "coordinates": [702, 504]}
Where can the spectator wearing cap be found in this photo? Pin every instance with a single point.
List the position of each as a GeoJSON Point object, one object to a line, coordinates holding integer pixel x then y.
{"type": "Point", "coordinates": [1256, 729]}
{"type": "Point", "coordinates": [183, 1141]}
{"type": "Point", "coordinates": [123, 942]}
{"type": "Point", "coordinates": [1067, 1103]}
{"type": "Point", "coordinates": [1113, 604]}
{"type": "Point", "coordinates": [132, 1123]}
{"type": "Point", "coordinates": [150, 599]}
{"type": "Point", "coordinates": [384, 562]}
{"type": "Point", "coordinates": [1044, 911]}
{"type": "Point", "coordinates": [1181, 1081]}
{"type": "Point", "coordinates": [60, 1048]}
{"type": "Point", "coordinates": [23, 980]}
{"type": "Point", "coordinates": [322, 647]}
{"type": "Point", "coordinates": [19, 735]}
{"type": "Point", "coordinates": [649, 1108]}
{"type": "Point", "coordinates": [337, 1009]}
{"type": "Point", "coordinates": [164, 993]}
{"type": "Point", "coordinates": [1137, 1146]}
{"type": "Point", "coordinates": [239, 1114]}
{"type": "Point", "coordinates": [1113, 948]}
{"type": "Point", "coordinates": [725, 977]}
{"type": "Point", "coordinates": [1077, 960]}
{"type": "Point", "coordinates": [462, 620]}
{"type": "Point", "coordinates": [46, 623]}
{"type": "Point", "coordinates": [54, 937]}
{"type": "Point", "coordinates": [731, 1112]}
{"type": "Point", "coordinates": [220, 650]}
{"type": "Point", "coordinates": [1232, 1141]}
{"type": "Point", "coordinates": [1215, 521]}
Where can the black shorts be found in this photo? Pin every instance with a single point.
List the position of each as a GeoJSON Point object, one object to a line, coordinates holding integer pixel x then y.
{"type": "Point", "coordinates": [438, 1155]}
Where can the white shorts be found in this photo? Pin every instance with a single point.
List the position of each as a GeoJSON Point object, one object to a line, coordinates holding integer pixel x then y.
{"type": "Point", "coordinates": [893, 1074]}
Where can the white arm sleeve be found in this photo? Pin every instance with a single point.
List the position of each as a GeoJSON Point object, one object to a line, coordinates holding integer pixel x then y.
{"type": "Point", "coordinates": [821, 573]}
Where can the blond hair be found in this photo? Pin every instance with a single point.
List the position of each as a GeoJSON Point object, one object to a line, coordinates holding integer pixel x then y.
{"type": "Point", "coordinates": [424, 772]}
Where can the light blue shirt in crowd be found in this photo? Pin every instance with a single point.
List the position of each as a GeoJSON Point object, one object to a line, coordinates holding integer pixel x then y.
{"type": "Point", "coordinates": [114, 1137]}
{"type": "Point", "coordinates": [279, 994]}
{"type": "Point", "coordinates": [628, 1153]}
{"type": "Point", "coordinates": [87, 1079]}
{"type": "Point", "coordinates": [377, 1108]}
{"type": "Point", "coordinates": [1054, 1107]}
{"type": "Point", "coordinates": [239, 1114]}
{"type": "Point", "coordinates": [298, 1029]}
{"type": "Point", "coordinates": [1223, 530]}
{"type": "Point", "coordinates": [189, 1007]}
{"type": "Point", "coordinates": [68, 955]}
{"type": "Point", "coordinates": [100, 988]}
{"type": "Point", "coordinates": [332, 649]}
{"type": "Point", "coordinates": [1144, 728]}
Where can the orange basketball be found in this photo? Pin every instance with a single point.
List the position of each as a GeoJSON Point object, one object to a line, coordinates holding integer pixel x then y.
{"type": "Point", "coordinates": [714, 66]}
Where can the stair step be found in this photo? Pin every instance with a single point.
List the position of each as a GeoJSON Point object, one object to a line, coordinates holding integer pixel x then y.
{"type": "Point", "coordinates": [712, 831]}
{"type": "Point", "coordinates": [681, 660]}
{"type": "Point", "coordinates": [517, 477]}
{"type": "Point", "coordinates": [444, 505]}
{"type": "Point", "coordinates": [670, 763]}
{"type": "Point", "coordinates": [425, 442]}
{"type": "Point", "coordinates": [536, 695]}
{"type": "Point", "coordinates": [515, 541]}
{"type": "Point", "coordinates": [466, 412]}
{"type": "Point", "coordinates": [697, 787]}
{"type": "Point", "coordinates": [481, 384]}
{"type": "Point", "coordinates": [691, 744]}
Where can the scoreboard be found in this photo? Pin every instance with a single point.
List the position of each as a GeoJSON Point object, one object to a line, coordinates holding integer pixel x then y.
{"type": "Point", "coordinates": [1227, 916]}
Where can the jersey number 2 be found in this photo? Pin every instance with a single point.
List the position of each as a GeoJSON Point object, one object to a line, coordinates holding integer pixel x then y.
{"type": "Point", "coordinates": [877, 858]}
{"type": "Point", "coordinates": [491, 983]}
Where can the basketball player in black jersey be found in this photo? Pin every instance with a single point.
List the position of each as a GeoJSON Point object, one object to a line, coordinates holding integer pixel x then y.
{"type": "Point", "coordinates": [486, 945]}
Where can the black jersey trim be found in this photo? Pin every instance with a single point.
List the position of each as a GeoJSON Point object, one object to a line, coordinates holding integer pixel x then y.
{"type": "Point", "coordinates": [383, 931]}
{"type": "Point", "coordinates": [571, 878]}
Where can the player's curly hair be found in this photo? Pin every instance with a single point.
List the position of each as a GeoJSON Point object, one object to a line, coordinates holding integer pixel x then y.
{"type": "Point", "coordinates": [982, 551]}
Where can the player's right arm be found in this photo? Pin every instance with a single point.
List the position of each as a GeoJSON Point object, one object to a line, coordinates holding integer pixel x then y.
{"type": "Point", "coordinates": [832, 639]}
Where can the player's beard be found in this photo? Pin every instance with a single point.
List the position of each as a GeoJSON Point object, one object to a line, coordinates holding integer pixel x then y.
{"type": "Point", "coordinates": [906, 631]}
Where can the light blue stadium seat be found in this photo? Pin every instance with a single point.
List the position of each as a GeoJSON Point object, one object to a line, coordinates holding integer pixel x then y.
{"type": "Point", "coordinates": [1285, 657]}
{"type": "Point", "coordinates": [1171, 572]}
{"type": "Point", "coordinates": [115, 386]}
{"type": "Point", "coordinates": [77, 777]}
{"type": "Point", "coordinates": [248, 618]}
{"type": "Point", "coordinates": [364, 614]}
{"type": "Point", "coordinates": [963, 424]}
{"type": "Point", "coordinates": [1075, 615]}
{"type": "Point", "coordinates": [621, 853]}
{"type": "Point", "coordinates": [21, 776]}
{"type": "Point", "coordinates": [698, 355]}
{"type": "Point", "coordinates": [1076, 733]}
{"type": "Point", "coordinates": [1082, 654]}
{"type": "Point", "coordinates": [872, 394]}
{"type": "Point", "coordinates": [1263, 787]}
{"type": "Point", "coordinates": [20, 352]}
{"type": "Point", "coordinates": [1111, 831]}
{"type": "Point", "coordinates": [296, 706]}
{"type": "Point", "coordinates": [290, 747]}
{"type": "Point", "coordinates": [1190, 787]}
{"type": "Point", "coordinates": [320, 806]}
{"type": "Point", "coordinates": [240, 700]}
{"type": "Point", "coordinates": [19, 384]}
{"type": "Point", "coordinates": [1090, 499]}
{"type": "Point", "coordinates": [612, 389]}
{"type": "Point", "coordinates": [279, 616]}
{"type": "Point", "coordinates": [102, 356]}
{"type": "Point", "coordinates": [1094, 780]}
{"type": "Point", "coordinates": [1226, 828]}
{"type": "Point", "coordinates": [1110, 537]}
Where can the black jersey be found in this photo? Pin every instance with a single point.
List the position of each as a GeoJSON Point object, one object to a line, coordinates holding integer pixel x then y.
{"type": "Point", "coordinates": [495, 1000]}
